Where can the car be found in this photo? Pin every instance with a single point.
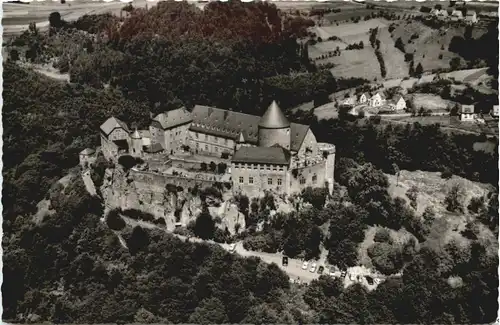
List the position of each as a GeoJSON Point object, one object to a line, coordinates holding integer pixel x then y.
{"type": "Point", "coordinates": [232, 247]}
{"type": "Point", "coordinates": [313, 268]}
{"type": "Point", "coordinates": [285, 261]}
{"type": "Point", "coordinates": [305, 265]}
{"type": "Point", "coordinates": [321, 269]}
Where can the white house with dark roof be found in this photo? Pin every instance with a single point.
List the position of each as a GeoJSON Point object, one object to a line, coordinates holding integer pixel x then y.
{"type": "Point", "coordinates": [467, 113]}
{"type": "Point", "coordinates": [377, 100]}
{"type": "Point", "coordinates": [363, 98]}
{"type": "Point", "coordinates": [471, 17]}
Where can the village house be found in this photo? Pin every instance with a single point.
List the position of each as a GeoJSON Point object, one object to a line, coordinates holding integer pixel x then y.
{"type": "Point", "coordinates": [441, 14]}
{"type": "Point", "coordinates": [351, 101]}
{"type": "Point", "coordinates": [377, 100]}
{"type": "Point", "coordinates": [398, 103]}
{"type": "Point", "coordinates": [467, 113]}
{"type": "Point", "coordinates": [266, 153]}
{"type": "Point", "coordinates": [494, 112]}
{"type": "Point", "coordinates": [457, 15]}
{"type": "Point", "coordinates": [471, 17]}
{"type": "Point", "coordinates": [363, 98]}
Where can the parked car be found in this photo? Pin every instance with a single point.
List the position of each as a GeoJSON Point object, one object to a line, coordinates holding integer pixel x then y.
{"type": "Point", "coordinates": [232, 247]}
{"type": "Point", "coordinates": [313, 268]}
{"type": "Point", "coordinates": [321, 269]}
{"type": "Point", "coordinates": [285, 261]}
{"type": "Point", "coordinates": [305, 265]}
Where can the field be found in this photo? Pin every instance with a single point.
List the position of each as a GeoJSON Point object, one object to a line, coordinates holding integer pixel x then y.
{"type": "Point", "coordinates": [394, 59]}
{"type": "Point", "coordinates": [355, 63]}
{"type": "Point", "coordinates": [430, 101]}
{"type": "Point", "coordinates": [447, 123]}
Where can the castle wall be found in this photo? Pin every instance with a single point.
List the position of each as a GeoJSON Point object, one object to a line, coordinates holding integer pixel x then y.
{"type": "Point", "coordinates": [254, 179]}
{"type": "Point", "coordinates": [156, 183]}
{"type": "Point", "coordinates": [270, 137]}
{"type": "Point", "coordinates": [157, 134]}
{"type": "Point", "coordinates": [313, 176]}
{"type": "Point", "coordinates": [109, 149]}
{"type": "Point", "coordinates": [210, 144]}
{"type": "Point", "coordinates": [175, 138]}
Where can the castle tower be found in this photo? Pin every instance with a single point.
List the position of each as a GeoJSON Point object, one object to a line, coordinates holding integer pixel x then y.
{"type": "Point", "coordinates": [274, 128]}
{"type": "Point", "coordinates": [330, 169]}
{"type": "Point", "coordinates": [136, 144]}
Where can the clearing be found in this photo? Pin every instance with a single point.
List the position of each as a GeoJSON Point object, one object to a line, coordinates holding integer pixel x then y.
{"type": "Point", "coordinates": [355, 64]}
{"type": "Point", "coordinates": [431, 101]}
{"type": "Point", "coordinates": [394, 59]}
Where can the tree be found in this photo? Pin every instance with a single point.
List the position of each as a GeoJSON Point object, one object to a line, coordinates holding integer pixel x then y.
{"type": "Point", "coordinates": [209, 311]}
{"type": "Point", "coordinates": [127, 161]}
{"type": "Point", "coordinates": [454, 198]}
{"type": "Point", "coordinates": [115, 221]}
{"type": "Point", "coordinates": [213, 166]}
{"type": "Point", "coordinates": [203, 167]}
{"type": "Point", "coordinates": [412, 194]}
{"type": "Point", "coordinates": [315, 196]}
{"type": "Point", "coordinates": [455, 63]}
{"type": "Point", "coordinates": [396, 171]}
{"type": "Point", "coordinates": [14, 55]}
{"type": "Point", "coordinates": [204, 226]}
{"type": "Point", "coordinates": [55, 19]}
{"type": "Point", "coordinates": [419, 70]}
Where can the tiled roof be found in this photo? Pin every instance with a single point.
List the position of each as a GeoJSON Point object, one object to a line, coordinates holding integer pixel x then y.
{"type": "Point", "coordinates": [297, 133]}
{"type": "Point", "coordinates": [274, 118]}
{"type": "Point", "coordinates": [397, 98]}
{"type": "Point", "coordinates": [225, 123]}
{"type": "Point", "coordinates": [113, 123]}
{"type": "Point", "coordinates": [262, 155]}
{"type": "Point", "coordinates": [87, 151]}
{"type": "Point", "coordinates": [467, 109]}
{"type": "Point", "coordinates": [154, 148]}
{"type": "Point", "coordinates": [176, 117]}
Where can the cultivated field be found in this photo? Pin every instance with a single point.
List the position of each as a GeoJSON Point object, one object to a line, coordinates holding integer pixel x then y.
{"type": "Point", "coordinates": [355, 63]}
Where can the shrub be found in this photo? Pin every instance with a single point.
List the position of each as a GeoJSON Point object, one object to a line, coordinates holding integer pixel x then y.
{"type": "Point", "coordinates": [114, 220]}
{"type": "Point", "coordinates": [446, 174]}
{"type": "Point", "coordinates": [382, 235]}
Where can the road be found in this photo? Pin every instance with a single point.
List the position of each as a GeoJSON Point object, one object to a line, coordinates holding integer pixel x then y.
{"type": "Point", "coordinates": [294, 268]}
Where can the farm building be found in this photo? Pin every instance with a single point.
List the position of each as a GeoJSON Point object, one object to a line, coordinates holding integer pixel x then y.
{"type": "Point", "coordinates": [442, 13]}
{"type": "Point", "coordinates": [351, 101]}
{"type": "Point", "coordinates": [467, 113]}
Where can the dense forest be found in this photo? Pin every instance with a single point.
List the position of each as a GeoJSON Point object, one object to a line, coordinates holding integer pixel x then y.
{"type": "Point", "coordinates": [70, 267]}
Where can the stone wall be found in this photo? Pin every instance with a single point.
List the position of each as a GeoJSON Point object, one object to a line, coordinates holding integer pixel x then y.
{"type": "Point", "coordinates": [155, 180]}
{"type": "Point", "coordinates": [313, 176]}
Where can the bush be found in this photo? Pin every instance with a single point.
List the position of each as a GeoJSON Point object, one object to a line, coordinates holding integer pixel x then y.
{"type": "Point", "coordinates": [114, 220]}
{"type": "Point", "coordinates": [382, 235]}
{"type": "Point", "coordinates": [446, 174]}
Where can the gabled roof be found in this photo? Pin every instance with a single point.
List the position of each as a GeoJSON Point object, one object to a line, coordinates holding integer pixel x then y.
{"type": "Point", "coordinates": [367, 95]}
{"type": "Point", "coordinates": [154, 148]}
{"type": "Point", "coordinates": [397, 98]}
{"type": "Point", "coordinates": [87, 152]}
{"type": "Point", "coordinates": [262, 155]}
{"type": "Point", "coordinates": [381, 94]}
{"type": "Point", "coordinates": [467, 109]}
{"type": "Point", "coordinates": [297, 134]}
{"type": "Point", "coordinates": [176, 117]}
{"type": "Point", "coordinates": [113, 123]}
{"type": "Point", "coordinates": [274, 118]}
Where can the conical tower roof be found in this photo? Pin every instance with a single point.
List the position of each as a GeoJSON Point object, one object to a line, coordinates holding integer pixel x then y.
{"type": "Point", "coordinates": [136, 135]}
{"type": "Point", "coordinates": [274, 118]}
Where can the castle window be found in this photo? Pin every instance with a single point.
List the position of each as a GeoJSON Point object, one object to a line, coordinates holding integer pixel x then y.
{"type": "Point", "coordinates": [206, 147]}
{"type": "Point", "coordinates": [302, 180]}
{"type": "Point", "coordinates": [254, 166]}
{"type": "Point", "coordinates": [241, 179]}
{"type": "Point", "coordinates": [197, 145]}
{"type": "Point", "coordinates": [281, 168]}
{"type": "Point", "coordinates": [280, 181]}
{"type": "Point", "coordinates": [268, 167]}
{"type": "Point", "coordinates": [269, 181]}
{"type": "Point", "coordinates": [261, 167]}
{"type": "Point", "coordinates": [225, 141]}
{"type": "Point", "coordinates": [250, 180]}
{"type": "Point", "coordinates": [314, 178]}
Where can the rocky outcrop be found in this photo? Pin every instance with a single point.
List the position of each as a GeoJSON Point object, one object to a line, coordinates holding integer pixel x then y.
{"type": "Point", "coordinates": [120, 190]}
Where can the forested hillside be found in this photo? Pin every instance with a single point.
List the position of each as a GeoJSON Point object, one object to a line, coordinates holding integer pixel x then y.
{"type": "Point", "coordinates": [73, 268]}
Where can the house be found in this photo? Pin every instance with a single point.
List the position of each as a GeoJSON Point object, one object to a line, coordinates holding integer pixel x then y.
{"type": "Point", "coordinates": [377, 100]}
{"type": "Point", "coordinates": [467, 113]}
{"type": "Point", "coordinates": [442, 13]}
{"type": "Point", "coordinates": [398, 103]}
{"type": "Point", "coordinates": [434, 12]}
{"type": "Point", "coordinates": [363, 98]}
{"type": "Point", "coordinates": [457, 15]}
{"type": "Point", "coordinates": [471, 17]}
{"type": "Point", "coordinates": [115, 137]}
{"type": "Point", "coordinates": [351, 101]}
{"type": "Point", "coordinates": [494, 111]}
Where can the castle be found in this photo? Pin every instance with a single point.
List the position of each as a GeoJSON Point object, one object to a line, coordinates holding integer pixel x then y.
{"type": "Point", "coordinates": [262, 153]}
